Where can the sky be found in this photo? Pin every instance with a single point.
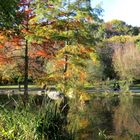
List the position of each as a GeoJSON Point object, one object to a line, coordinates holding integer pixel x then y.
{"type": "Point", "coordinates": [125, 10]}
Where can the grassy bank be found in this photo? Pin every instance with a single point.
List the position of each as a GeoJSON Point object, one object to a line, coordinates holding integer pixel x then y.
{"type": "Point", "coordinates": [41, 119]}
{"type": "Point", "coordinates": [17, 86]}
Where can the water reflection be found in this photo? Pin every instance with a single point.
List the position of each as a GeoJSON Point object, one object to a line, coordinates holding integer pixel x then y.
{"type": "Point", "coordinates": [116, 118]}
{"type": "Point", "coordinates": [127, 116]}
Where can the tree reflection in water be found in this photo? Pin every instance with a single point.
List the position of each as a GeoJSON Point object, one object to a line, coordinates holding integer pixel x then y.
{"type": "Point", "coordinates": [127, 116]}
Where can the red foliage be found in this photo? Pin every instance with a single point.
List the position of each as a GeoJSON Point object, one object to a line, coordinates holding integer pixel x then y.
{"type": "Point", "coordinates": [60, 63]}
{"type": "Point", "coordinates": [43, 54]}
{"type": "Point", "coordinates": [16, 39]}
{"type": "Point", "coordinates": [28, 11]}
{"type": "Point", "coordinates": [1, 46]}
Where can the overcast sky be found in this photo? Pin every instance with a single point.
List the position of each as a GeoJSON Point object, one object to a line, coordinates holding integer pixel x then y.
{"type": "Point", "coordinates": [126, 10]}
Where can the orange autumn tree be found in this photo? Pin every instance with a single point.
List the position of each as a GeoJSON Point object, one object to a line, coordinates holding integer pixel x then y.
{"type": "Point", "coordinates": [20, 47]}
{"type": "Point", "coordinates": [7, 55]}
{"type": "Point", "coordinates": [17, 43]}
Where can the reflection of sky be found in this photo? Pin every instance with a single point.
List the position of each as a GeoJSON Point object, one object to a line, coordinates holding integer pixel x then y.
{"type": "Point", "coordinates": [126, 10]}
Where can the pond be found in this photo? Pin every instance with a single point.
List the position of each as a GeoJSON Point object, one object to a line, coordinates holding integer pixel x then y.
{"type": "Point", "coordinates": [114, 118]}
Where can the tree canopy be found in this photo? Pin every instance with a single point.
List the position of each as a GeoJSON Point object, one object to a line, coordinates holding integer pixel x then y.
{"type": "Point", "coordinates": [8, 13]}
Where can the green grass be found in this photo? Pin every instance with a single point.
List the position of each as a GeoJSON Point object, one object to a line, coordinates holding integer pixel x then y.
{"type": "Point", "coordinates": [37, 121]}
{"type": "Point", "coordinates": [110, 84]}
{"type": "Point", "coordinates": [16, 86]}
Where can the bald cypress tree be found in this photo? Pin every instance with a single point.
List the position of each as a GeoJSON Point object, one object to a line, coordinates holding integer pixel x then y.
{"type": "Point", "coordinates": [73, 26]}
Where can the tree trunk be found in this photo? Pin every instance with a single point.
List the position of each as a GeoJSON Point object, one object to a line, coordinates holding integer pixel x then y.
{"type": "Point", "coordinates": [26, 73]}
{"type": "Point", "coordinates": [66, 65]}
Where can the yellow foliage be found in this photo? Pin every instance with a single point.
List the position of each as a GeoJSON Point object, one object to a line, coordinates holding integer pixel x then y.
{"type": "Point", "coordinates": [84, 97]}
{"type": "Point", "coordinates": [120, 39]}
{"type": "Point", "coordinates": [83, 123]}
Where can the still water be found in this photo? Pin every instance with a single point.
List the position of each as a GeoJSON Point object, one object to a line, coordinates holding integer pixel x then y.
{"type": "Point", "coordinates": [107, 118]}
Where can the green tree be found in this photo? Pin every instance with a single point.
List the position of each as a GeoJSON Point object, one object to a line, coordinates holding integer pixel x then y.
{"type": "Point", "coordinates": [8, 13]}
{"type": "Point", "coordinates": [74, 29]}
{"type": "Point", "coordinates": [116, 27]}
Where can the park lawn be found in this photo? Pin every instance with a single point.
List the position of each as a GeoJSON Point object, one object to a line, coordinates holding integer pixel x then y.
{"type": "Point", "coordinates": [16, 86]}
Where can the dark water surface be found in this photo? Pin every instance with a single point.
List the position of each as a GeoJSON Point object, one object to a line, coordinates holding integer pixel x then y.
{"type": "Point", "coordinates": [113, 118]}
